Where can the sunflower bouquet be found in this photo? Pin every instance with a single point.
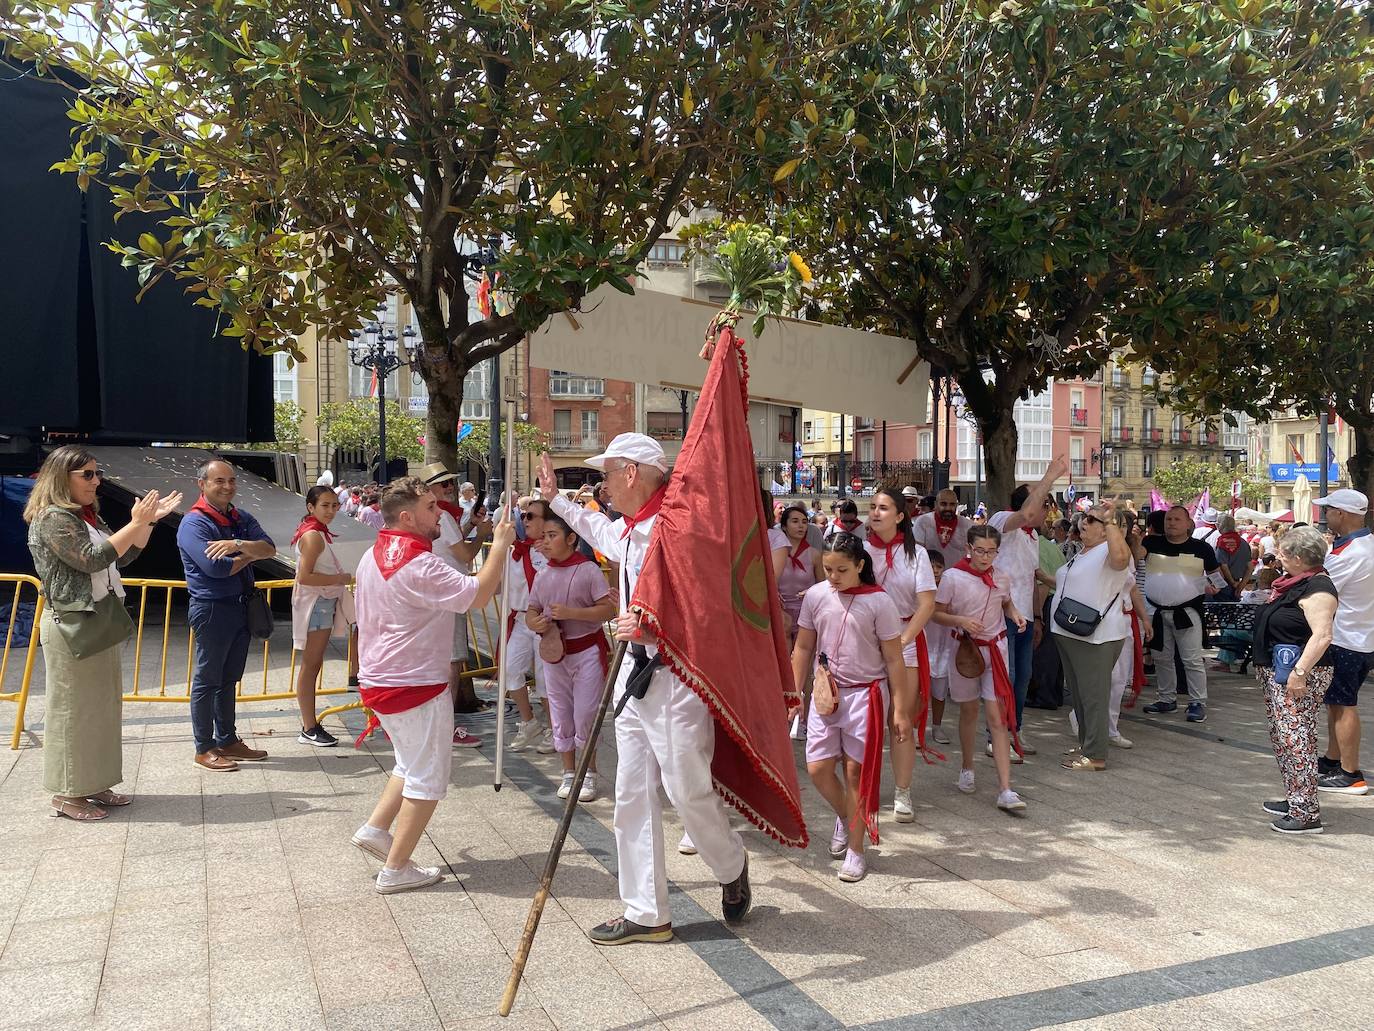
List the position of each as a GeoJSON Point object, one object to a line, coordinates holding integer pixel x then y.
{"type": "Point", "coordinates": [759, 267]}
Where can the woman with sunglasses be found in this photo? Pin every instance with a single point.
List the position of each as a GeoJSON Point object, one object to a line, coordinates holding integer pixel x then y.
{"type": "Point", "coordinates": [1099, 580]}
{"type": "Point", "coordinates": [77, 557]}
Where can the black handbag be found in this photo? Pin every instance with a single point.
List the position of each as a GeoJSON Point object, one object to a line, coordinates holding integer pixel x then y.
{"type": "Point", "coordinates": [1075, 617]}
{"type": "Point", "coordinates": [259, 615]}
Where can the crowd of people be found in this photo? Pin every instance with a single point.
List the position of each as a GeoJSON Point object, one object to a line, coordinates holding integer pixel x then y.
{"type": "Point", "coordinates": [893, 616]}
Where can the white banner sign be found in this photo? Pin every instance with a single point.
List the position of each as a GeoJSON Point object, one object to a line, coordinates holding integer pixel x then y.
{"type": "Point", "coordinates": [654, 338]}
{"type": "Point", "coordinates": [418, 405]}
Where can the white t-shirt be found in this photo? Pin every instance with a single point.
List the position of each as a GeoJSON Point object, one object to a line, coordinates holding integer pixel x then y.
{"type": "Point", "coordinates": [405, 623]}
{"type": "Point", "coordinates": [1019, 558]}
{"type": "Point", "coordinates": [1352, 571]}
{"type": "Point", "coordinates": [928, 536]}
{"type": "Point", "coordinates": [1089, 581]}
{"type": "Point", "coordinates": [449, 535]}
{"type": "Point", "coordinates": [906, 578]}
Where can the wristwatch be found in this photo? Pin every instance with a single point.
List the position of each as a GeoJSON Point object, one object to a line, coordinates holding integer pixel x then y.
{"type": "Point", "coordinates": [1298, 671]}
{"type": "Point", "coordinates": [238, 543]}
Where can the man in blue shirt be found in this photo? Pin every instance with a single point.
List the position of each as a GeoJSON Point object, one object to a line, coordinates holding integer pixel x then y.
{"type": "Point", "coordinates": [219, 543]}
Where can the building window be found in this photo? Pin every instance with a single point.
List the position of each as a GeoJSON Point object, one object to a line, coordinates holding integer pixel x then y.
{"type": "Point", "coordinates": [1120, 378]}
{"type": "Point", "coordinates": [1118, 419]}
{"type": "Point", "coordinates": [1297, 448]}
{"type": "Point", "coordinates": [924, 446]}
{"type": "Point", "coordinates": [283, 377]}
{"type": "Point", "coordinates": [835, 425]}
{"type": "Point", "coordinates": [668, 252]}
{"type": "Point", "coordinates": [1035, 421]}
{"type": "Point", "coordinates": [363, 383]}
{"type": "Point", "coordinates": [1116, 464]}
{"type": "Point", "coordinates": [1148, 379]}
{"type": "Point", "coordinates": [807, 432]}
{"type": "Point", "coordinates": [562, 424]}
{"type": "Point", "coordinates": [565, 384]}
{"type": "Point", "coordinates": [591, 435]}
{"type": "Point", "coordinates": [1147, 419]}
{"type": "Point", "coordinates": [866, 450]}
{"type": "Point", "coordinates": [1148, 464]}
{"type": "Point", "coordinates": [664, 425]}
{"type": "Point", "coordinates": [787, 427]}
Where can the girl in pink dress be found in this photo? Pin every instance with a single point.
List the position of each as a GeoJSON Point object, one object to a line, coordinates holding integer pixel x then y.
{"type": "Point", "coordinates": [796, 568]}
{"type": "Point", "coordinates": [849, 625]}
{"type": "Point", "coordinates": [570, 597]}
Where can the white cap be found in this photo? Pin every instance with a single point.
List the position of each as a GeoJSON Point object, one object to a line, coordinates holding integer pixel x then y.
{"type": "Point", "coordinates": [1209, 515]}
{"type": "Point", "coordinates": [910, 492]}
{"type": "Point", "coordinates": [1346, 500]}
{"type": "Point", "coordinates": [633, 447]}
{"type": "Point", "coordinates": [326, 479]}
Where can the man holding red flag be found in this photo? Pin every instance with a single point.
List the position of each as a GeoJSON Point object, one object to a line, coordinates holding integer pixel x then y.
{"type": "Point", "coordinates": [706, 713]}
{"type": "Point", "coordinates": [407, 600]}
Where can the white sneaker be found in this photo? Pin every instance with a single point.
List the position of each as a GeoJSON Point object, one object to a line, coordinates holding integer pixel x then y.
{"type": "Point", "coordinates": [588, 792]}
{"type": "Point", "coordinates": [1015, 759]}
{"type": "Point", "coordinates": [376, 843]}
{"type": "Point", "coordinates": [1120, 741]}
{"type": "Point", "coordinates": [938, 734]}
{"type": "Point", "coordinates": [528, 734]}
{"type": "Point", "coordinates": [408, 878]}
{"type": "Point", "coordinates": [565, 789]}
{"type": "Point", "coordinates": [686, 847]}
{"type": "Point", "coordinates": [545, 746]}
{"type": "Point", "coordinates": [965, 782]}
{"type": "Point", "coordinates": [1010, 801]}
{"type": "Point", "coordinates": [901, 806]}
{"type": "Point", "coordinates": [1026, 747]}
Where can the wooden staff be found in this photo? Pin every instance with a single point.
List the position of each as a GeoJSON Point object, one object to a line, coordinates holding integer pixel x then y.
{"type": "Point", "coordinates": [503, 611]}
{"type": "Point", "coordinates": [522, 953]}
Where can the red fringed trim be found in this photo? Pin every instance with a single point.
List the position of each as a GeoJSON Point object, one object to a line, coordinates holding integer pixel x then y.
{"type": "Point", "coordinates": [1138, 681]}
{"type": "Point", "coordinates": [1001, 683]}
{"type": "Point", "coordinates": [923, 701]}
{"type": "Point", "coordinates": [871, 773]}
{"type": "Point", "coordinates": [372, 724]}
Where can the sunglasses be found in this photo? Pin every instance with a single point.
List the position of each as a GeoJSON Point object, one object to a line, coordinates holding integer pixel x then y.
{"type": "Point", "coordinates": [1094, 519]}
{"type": "Point", "coordinates": [527, 516]}
{"type": "Point", "coordinates": [90, 474]}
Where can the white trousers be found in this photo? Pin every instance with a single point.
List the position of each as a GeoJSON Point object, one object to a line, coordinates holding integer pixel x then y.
{"type": "Point", "coordinates": [666, 738]}
{"type": "Point", "coordinates": [1121, 676]}
{"type": "Point", "coordinates": [523, 655]}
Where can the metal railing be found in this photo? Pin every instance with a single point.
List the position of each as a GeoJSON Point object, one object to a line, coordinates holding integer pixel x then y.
{"type": "Point", "coordinates": [577, 442]}
{"type": "Point", "coordinates": [1079, 416]}
{"type": "Point", "coordinates": [20, 696]}
{"type": "Point", "coordinates": [1119, 434]}
{"type": "Point", "coordinates": [1078, 466]}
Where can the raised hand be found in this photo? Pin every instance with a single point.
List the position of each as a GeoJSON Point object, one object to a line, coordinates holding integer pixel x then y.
{"type": "Point", "coordinates": [144, 510]}
{"type": "Point", "coordinates": [548, 479]}
{"type": "Point", "coordinates": [166, 506]}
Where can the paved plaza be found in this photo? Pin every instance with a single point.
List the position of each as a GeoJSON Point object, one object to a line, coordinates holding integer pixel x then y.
{"type": "Point", "coordinates": [1153, 896]}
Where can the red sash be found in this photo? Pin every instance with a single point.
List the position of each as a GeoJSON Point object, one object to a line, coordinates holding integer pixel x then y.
{"type": "Point", "coordinates": [392, 700]}
{"type": "Point", "coordinates": [1138, 681]}
{"type": "Point", "coordinates": [923, 701]}
{"type": "Point", "coordinates": [871, 773]}
{"type": "Point", "coordinates": [1001, 685]}
{"type": "Point", "coordinates": [596, 639]}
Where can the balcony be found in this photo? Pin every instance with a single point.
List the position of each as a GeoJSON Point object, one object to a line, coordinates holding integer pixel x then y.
{"type": "Point", "coordinates": [1078, 417]}
{"type": "Point", "coordinates": [1120, 380]}
{"type": "Point", "coordinates": [1149, 380]}
{"type": "Point", "coordinates": [576, 388]}
{"type": "Point", "coordinates": [1181, 437]}
{"type": "Point", "coordinates": [1119, 435]}
{"type": "Point", "coordinates": [1078, 466]}
{"type": "Point", "coordinates": [1209, 439]}
{"type": "Point", "coordinates": [576, 441]}
{"type": "Point", "coordinates": [1151, 435]}
{"type": "Point", "coordinates": [862, 424]}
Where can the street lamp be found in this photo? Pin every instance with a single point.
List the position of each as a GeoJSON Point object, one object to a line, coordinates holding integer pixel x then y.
{"type": "Point", "coordinates": [375, 348]}
{"type": "Point", "coordinates": [1099, 458]}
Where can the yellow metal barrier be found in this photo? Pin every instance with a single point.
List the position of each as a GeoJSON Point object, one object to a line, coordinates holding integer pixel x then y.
{"type": "Point", "coordinates": [21, 695]}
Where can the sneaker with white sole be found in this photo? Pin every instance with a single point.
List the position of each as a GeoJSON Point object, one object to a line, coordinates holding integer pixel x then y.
{"type": "Point", "coordinates": [839, 840]}
{"type": "Point", "coordinates": [588, 792]}
{"type": "Point", "coordinates": [408, 878]}
{"type": "Point", "coordinates": [1016, 759]}
{"type": "Point", "coordinates": [1343, 782]}
{"type": "Point", "coordinates": [372, 840]}
{"type": "Point", "coordinates": [1026, 747]}
{"type": "Point", "coordinates": [528, 733]}
{"type": "Point", "coordinates": [546, 746]}
{"type": "Point", "coordinates": [686, 847]}
{"type": "Point", "coordinates": [317, 736]}
{"type": "Point", "coordinates": [1120, 741]}
{"type": "Point", "coordinates": [463, 739]}
{"type": "Point", "coordinates": [565, 789]}
{"type": "Point", "coordinates": [901, 806]}
{"type": "Point", "coordinates": [1277, 807]}
{"type": "Point", "coordinates": [855, 867]}
{"type": "Point", "coordinates": [1009, 801]}
{"type": "Point", "coordinates": [938, 735]}
{"type": "Point", "coordinates": [965, 782]}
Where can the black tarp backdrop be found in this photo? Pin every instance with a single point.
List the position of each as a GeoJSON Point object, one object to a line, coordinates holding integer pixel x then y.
{"type": "Point", "coordinates": [80, 354]}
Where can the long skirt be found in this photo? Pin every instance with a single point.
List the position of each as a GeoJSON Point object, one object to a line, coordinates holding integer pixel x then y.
{"type": "Point", "coordinates": [82, 749]}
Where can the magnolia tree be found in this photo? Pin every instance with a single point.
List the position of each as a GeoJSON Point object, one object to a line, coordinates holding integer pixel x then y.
{"type": "Point", "coordinates": [1021, 187]}
{"type": "Point", "coordinates": [303, 157]}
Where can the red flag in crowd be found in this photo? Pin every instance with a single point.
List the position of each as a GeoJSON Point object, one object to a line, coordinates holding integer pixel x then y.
{"type": "Point", "coordinates": [708, 592]}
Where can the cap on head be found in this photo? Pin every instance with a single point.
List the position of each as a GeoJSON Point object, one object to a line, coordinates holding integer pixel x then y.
{"type": "Point", "coordinates": [436, 473]}
{"type": "Point", "coordinates": [1346, 500]}
{"type": "Point", "coordinates": [1209, 515]}
{"type": "Point", "coordinates": [632, 447]}
{"type": "Point", "coordinates": [326, 479]}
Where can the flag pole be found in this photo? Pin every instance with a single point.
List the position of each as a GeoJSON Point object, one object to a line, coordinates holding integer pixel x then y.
{"type": "Point", "coordinates": [522, 952]}
{"type": "Point", "coordinates": [503, 612]}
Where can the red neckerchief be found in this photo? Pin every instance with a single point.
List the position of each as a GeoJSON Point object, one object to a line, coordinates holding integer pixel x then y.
{"type": "Point", "coordinates": [795, 556]}
{"type": "Point", "coordinates": [944, 528]}
{"type": "Point", "coordinates": [647, 511]}
{"type": "Point", "coordinates": [965, 566]}
{"type": "Point", "coordinates": [1229, 543]}
{"type": "Point", "coordinates": [1028, 530]}
{"type": "Point", "coordinates": [312, 523]}
{"type": "Point", "coordinates": [1284, 584]}
{"type": "Point", "coordinates": [394, 548]}
{"type": "Point", "coordinates": [845, 527]}
{"type": "Point", "coordinates": [863, 589]}
{"type": "Point", "coordinates": [88, 515]}
{"type": "Point", "coordinates": [575, 559]}
{"type": "Point", "coordinates": [220, 519]}
{"type": "Point", "coordinates": [888, 546]}
{"type": "Point", "coordinates": [454, 510]}
{"type": "Point", "coordinates": [376, 506]}
{"type": "Point", "coordinates": [520, 552]}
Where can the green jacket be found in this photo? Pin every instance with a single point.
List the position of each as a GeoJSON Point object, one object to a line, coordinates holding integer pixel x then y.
{"type": "Point", "coordinates": [65, 557]}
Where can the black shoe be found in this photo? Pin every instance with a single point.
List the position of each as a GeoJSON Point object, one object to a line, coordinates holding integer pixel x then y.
{"type": "Point", "coordinates": [1159, 707]}
{"type": "Point", "coordinates": [1036, 703]}
{"type": "Point", "coordinates": [1326, 767]}
{"type": "Point", "coordinates": [1288, 825]}
{"type": "Point", "coordinates": [1197, 713]}
{"type": "Point", "coordinates": [1277, 808]}
{"type": "Point", "coordinates": [1343, 782]}
{"type": "Point", "coordinates": [317, 736]}
{"type": "Point", "coordinates": [735, 897]}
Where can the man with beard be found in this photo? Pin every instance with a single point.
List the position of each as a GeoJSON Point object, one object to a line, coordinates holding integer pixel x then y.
{"type": "Point", "coordinates": [945, 529]}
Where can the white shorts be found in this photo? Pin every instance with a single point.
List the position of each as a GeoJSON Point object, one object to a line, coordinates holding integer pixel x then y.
{"type": "Point", "coordinates": [939, 688]}
{"type": "Point", "coordinates": [422, 739]}
{"type": "Point", "coordinates": [523, 657]}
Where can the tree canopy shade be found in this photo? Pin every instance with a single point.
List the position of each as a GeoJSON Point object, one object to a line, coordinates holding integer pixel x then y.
{"type": "Point", "coordinates": [1026, 185]}
{"type": "Point", "coordinates": [1181, 482]}
{"type": "Point", "coordinates": [300, 154]}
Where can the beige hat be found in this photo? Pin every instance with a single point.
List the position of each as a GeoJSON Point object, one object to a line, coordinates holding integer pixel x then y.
{"type": "Point", "coordinates": [436, 473]}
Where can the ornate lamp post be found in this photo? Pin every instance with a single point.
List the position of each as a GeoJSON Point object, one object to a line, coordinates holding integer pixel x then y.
{"type": "Point", "coordinates": [375, 348]}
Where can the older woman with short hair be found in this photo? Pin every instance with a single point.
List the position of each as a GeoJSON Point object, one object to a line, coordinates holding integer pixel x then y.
{"type": "Point", "coordinates": [1298, 620]}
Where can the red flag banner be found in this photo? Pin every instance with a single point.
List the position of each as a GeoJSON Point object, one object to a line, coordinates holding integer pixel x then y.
{"type": "Point", "coordinates": [707, 591]}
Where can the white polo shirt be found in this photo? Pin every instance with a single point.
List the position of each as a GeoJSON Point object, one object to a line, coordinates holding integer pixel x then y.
{"type": "Point", "coordinates": [1352, 571]}
{"type": "Point", "coordinates": [1019, 558]}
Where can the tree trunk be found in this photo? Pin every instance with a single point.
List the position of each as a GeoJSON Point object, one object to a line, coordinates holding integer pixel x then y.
{"type": "Point", "coordinates": [999, 453]}
{"type": "Point", "coordinates": [444, 381]}
{"type": "Point", "coordinates": [1362, 461]}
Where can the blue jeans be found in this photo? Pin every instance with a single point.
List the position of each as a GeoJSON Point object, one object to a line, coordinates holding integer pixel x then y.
{"type": "Point", "coordinates": [1019, 652]}
{"type": "Point", "coordinates": [221, 652]}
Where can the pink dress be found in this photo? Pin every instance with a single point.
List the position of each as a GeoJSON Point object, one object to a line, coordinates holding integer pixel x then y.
{"type": "Point", "coordinates": [573, 685]}
{"type": "Point", "coordinates": [968, 596]}
{"type": "Point", "coordinates": [796, 579]}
